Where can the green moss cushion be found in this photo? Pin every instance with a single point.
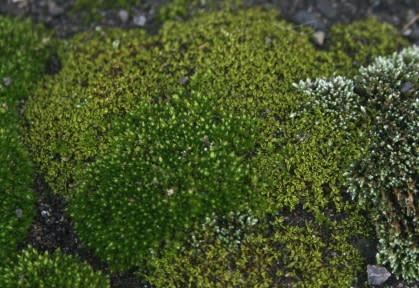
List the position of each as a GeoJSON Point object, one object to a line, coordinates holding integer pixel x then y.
{"type": "Point", "coordinates": [170, 165]}
{"type": "Point", "coordinates": [122, 130]}
{"type": "Point", "coordinates": [22, 60]}
{"type": "Point", "coordinates": [16, 196]}
{"type": "Point", "coordinates": [55, 270]}
{"type": "Point", "coordinates": [285, 251]}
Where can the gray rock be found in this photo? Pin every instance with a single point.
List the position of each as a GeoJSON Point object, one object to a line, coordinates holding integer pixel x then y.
{"type": "Point", "coordinates": [326, 8]}
{"type": "Point", "coordinates": [19, 213]}
{"type": "Point", "coordinates": [407, 88]}
{"type": "Point", "coordinates": [7, 81]}
{"type": "Point", "coordinates": [123, 16]}
{"type": "Point", "coordinates": [139, 20]}
{"type": "Point", "coordinates": [377, 275]}
{"type": "Point", "coordinates": [183, 80]}
{"type": "Point", "coordinates": [54, 9]}
{"type": "Point", "coordinates": [318, 38]}
{"type": "Point", "coordinates": [308, 18]}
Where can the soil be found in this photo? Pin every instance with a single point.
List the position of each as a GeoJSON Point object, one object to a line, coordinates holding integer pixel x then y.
{"type": "Point", "coordinates": [52, 227]}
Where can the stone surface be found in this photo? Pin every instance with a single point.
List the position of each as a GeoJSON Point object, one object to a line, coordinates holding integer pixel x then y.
{"type": "Point", "coordinates": [377, 275]}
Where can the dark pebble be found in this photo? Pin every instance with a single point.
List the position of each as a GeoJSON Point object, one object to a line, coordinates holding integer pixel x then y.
{"type": "Point", "coordinates": [310, 19]}
{"type": "Point", "coordinates": [7, 81]}
{"type": "Point", "coordinates": [407, 88]}
{"type": "Point", "coordinates": [326, 8]}
{"type": "Point", "coordinates": [183, 80]}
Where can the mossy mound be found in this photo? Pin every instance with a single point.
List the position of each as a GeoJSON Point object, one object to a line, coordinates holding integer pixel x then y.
{"type": "Point", "coordinates": [56, 270]}
{"type": "Point", "coordinates": [22, 60]}
{"type": "Point", "coordinates": [285, 251]}
{"type": "Point", "coordinates": [106, 132]}
{"type": "Point", "coordinates": [105, 73]}
{"type": "Point", "coordinates": [171, 165]}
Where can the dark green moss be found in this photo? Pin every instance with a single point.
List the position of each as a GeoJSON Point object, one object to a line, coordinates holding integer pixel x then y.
{"type": "Point", "coordinates": [56, 270]}
{"type": "Point", "coordinates": [22, 59]}
{"type": "Point", "coordinates": [171, 165]}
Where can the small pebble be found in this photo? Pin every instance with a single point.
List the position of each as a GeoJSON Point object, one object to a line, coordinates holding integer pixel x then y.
{"type": "Point", "coordinates": [44, 213]}
{"type": "Point", "coordinates": [123, 16]}
{"type": "Point", "coordinates": [7, 81]}
{"type": "Point", "coordinates": [139, 20]}
{"type": "Point", "coordinates": [406, 88]}
{"type": "Point", "coordinates": [183, 80]}
{"type": "Point", "coordinates": [377, 275]}
{"type": "Point", "coordinates": [19, 213]}
{"type": "Point", "coordinates": [319, 37]}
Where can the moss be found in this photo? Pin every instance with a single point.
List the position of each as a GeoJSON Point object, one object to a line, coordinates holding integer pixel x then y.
{"type": "Point", "coordinates": [183, 9]}
{"type": "Point", "coordinates": [381, 105]}
{"type": "Point", "coordinates": [34, 269]}
{"type": "Point", "coordinates": [171, 165]}
{"type": "Point", "coordinates": [364, 40]}
{"type": "Point", "coordinates": [246, 63]}
{"type": "Point", "coordinates": [285, 251]}
{"type": "Point", "coordinates": [22, 57]}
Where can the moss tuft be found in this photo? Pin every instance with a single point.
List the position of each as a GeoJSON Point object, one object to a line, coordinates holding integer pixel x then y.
{"type": "Point", "coordinates": [22, 60]}
{"type": "Point", "coordinates": [56, 270]}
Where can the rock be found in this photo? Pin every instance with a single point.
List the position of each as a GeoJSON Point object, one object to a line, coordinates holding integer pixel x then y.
{"type": "Point", "coordinates": [54, 9]}
{"type": "Point", "coordinates": [139, 20]}
{"type": "Point", "coordinates": [377, 275]}
{"type": "Point", "coordinates": [326, 8]}
{"type": "Point", "coordinates": [414, 34]}
{"type": "Point", "coordinates": [123, 16]}
{"type": "Point", "coordinates": [183, 80]}
{"type": "Point", "coordinates": [7, 81]}
{"type": "Point", "coordinates": [19, 213]}
{"type": "Point", "coordinates": [407, 88]}
{"type": "Point", "coordinates": [308, 18]}
{"type": "Point", "coordinates": [318, 38]}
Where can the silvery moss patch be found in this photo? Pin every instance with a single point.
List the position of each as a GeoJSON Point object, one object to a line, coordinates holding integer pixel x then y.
{"type": "Point", "coordinates": [382, 104]}
{"type": "Point", "coordinates": [55, 270]}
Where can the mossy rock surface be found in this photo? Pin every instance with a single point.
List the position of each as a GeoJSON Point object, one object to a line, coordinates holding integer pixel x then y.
{"type": "Point", "coordinates": [22, 59]}
{"type": "Point", "coordinates": [116, 99]}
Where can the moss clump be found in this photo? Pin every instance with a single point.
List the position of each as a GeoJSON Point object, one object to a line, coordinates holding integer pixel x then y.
{"type": "Point", "coordinates": [105, 73]}
{"type": "Point", "coordinates": [381, 105]}
{"type": "Point", "coordinates": [171, 165]}
{"type": "Point", "coordinates": [285, 251]}
{"type": "Point", "coordinates": [117, 99]}
{"type": "Point", "coordinates": [364, 40]}
{"type": "Point", "coordinates": [33, 269]}
{"type": "Point", "coordinates": [22, 56]}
